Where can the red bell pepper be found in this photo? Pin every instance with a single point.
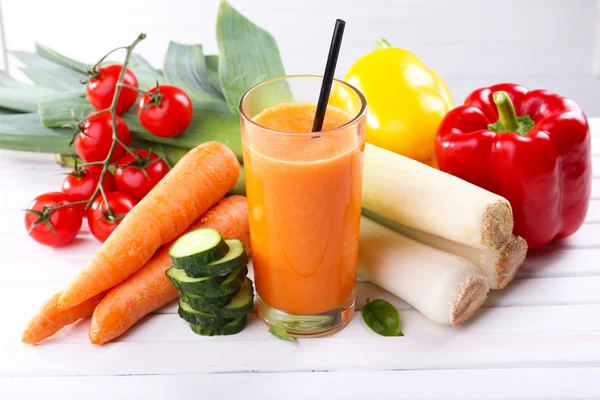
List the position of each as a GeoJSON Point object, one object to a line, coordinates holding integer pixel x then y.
{"type": "Point", "coordinates": [531, 147]}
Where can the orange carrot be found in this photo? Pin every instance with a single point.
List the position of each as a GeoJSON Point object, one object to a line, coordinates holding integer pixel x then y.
{"type": "Point", "coordinates": [50, 318]}
{"type": "Point", "coordinates": [149, 289]}
{"type": "Point", "coordinates": [198, 180]}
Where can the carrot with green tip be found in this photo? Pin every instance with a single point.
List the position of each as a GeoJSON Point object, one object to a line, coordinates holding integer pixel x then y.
{"type": "Point", "coordinates": [149, 289]}
{"type": "Point", "coordinates": [202, 177]}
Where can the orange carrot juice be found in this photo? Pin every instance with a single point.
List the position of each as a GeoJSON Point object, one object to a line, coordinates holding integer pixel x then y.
{"type": "Point", "coordinates": [304, 197]}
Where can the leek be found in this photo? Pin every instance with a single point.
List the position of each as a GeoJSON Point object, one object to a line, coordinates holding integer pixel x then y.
{"type": "Point", "coordinates": [420, 197]}
{"type": "Point", "coordinates": [444, 287]}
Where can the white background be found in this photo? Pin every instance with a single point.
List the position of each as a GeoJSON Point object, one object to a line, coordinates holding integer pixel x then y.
{"type": "Point", "coordinates": [539, 43]}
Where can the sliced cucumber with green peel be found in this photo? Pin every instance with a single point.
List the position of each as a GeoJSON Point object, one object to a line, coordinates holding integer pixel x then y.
{"type": "Point", "coordinates": [206, 319]}
{"type": "Point", "coordinates": [215, 286]}
{"type": "Point", "coordinates": [198, 247]}
{"type": "Point", "coordinates": [241, 304]}
{"type": "Point", "coordinates": [206, 303]}
{"type": "Point", "coordinates": [235, 258]}
{"type": "Point", "coordinates": [230, 328]}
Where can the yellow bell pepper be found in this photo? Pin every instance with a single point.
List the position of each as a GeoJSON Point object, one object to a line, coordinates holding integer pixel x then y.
{"type": "Point", "coordinates": [406, 101]}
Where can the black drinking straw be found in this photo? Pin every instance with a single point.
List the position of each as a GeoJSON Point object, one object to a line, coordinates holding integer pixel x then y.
{"type": "Point", "coordinates": [334, 51]}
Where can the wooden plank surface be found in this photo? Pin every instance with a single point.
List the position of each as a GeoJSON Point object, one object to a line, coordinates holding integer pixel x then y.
{"type": "Point", "coordinates": [541, 334]}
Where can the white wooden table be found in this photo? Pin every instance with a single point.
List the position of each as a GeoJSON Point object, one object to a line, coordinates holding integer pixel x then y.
{"type": "Point", "coordinates": [538, 339]}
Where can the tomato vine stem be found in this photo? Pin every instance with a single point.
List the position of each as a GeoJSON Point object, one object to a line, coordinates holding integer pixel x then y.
{"type": "Point", "coordinates": [115, 139]}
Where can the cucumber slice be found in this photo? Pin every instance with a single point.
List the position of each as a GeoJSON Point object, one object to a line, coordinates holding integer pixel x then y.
{"type": "Point", "coordinates": [235, 258]}
{"type": "Point", "coordinates": [215, 286]}
{"type": "Point", "coordinates": [230, 328]}
{"type": "Point", "coordinates": [206, 319]}
{"type": "Point", "coordinates": [198, 247]}
{"type": "Point", "coordinates": [206, 303]}
{"type": "Point", "coordinates": [241, 304]}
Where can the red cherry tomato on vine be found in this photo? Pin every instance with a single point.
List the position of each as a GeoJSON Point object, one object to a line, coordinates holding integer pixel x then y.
{"type": "Point", "coordinates": [55, 228]}
{"type": "Point", "coordinates": [101, 88]}
{"type": "Point", "coordinates": [101, 220]}
{"type": "Point", "coordinates": [81, 183]}
{"type": "Point", "coordinates": [94, 141]}
{"type": "Point", "coordinates": [136, 176]}
{"type": "Point", "coordinates": [167, 113]}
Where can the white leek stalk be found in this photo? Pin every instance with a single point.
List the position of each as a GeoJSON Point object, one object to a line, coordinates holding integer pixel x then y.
{"type": "Point", "coordinates": [424, 198]}
{"type": "Point", "coordinates": [444, 287]}
{"type": "Point", "coordinates": [498, 266]}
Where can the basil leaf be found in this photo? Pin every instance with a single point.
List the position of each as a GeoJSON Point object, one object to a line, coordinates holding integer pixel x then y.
{"type": "Point", "coordinates": [279, 332]}
{"type": "Point", "coordinates": [185, 67]}
{"type": "Point", "coordinates": [247, 55]}
{"type": "Point", "coordinates": [382, 318]}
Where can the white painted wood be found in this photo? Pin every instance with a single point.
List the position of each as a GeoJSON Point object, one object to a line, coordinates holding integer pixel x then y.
{"type": "Point", "coordinates": [261, 352]}
{"type": "Point", "coordinates": [539, 338]}
{"type": "Point", "coordinates": [498, 384]}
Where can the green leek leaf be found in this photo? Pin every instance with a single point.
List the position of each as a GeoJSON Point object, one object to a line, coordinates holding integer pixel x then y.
{"type": "Point", "coordinates": [25, 98]}
{"type": "Point", "coordinates": [247, 55]}
{"type": "Point", "coordinates": [48, 73]}
{"type": "Point", "coordinates": [52, 55]}
{"type": "Point", "coordinates": [211, 121]}
{"type": "Point", "coordinates": [207, 125]}
{"type": "Point", "coordinates": [185, 67]}
{"type": "Point", "coordinates": [23, 132]}
{"type": "Point", "coordinates": [63, 109]}
{"type": "Point", "coordinates": [212, 70]}
{"type": "Point", "coordinates": [145, 73]}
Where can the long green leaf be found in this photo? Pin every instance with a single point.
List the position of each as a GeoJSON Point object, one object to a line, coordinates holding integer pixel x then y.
{"type": "Point", "coordinates": [208, 124]}
{"type": "Point", "coordinates": [247, 55]}
{"type": "Point", "coordinates": [24, 132]}
{"type": "Point", "coordinates": [185, 67]}
{"type": "Point", "coordinates": [9, 82]}
{"type": "Point", "coordinates": [63, 109]}
{"type": "Point", "coordinates": [25, 98]}
{"type": "Point", "coordinates": [145, 73]}
{"type": "Point", "coordinates": [212, 70]}
{"type": "Point", "coordinates": [48, 73]}
{"type": "Point", "coordinates": [211, 121]}
{"type": "Point", "coordinates": [54, 56]}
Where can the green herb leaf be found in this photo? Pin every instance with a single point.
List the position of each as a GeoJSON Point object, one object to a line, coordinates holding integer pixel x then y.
{"type": "Point", "coordinates": [279, 332]}
{"type": "Point", "coordinates": [247, 55]}
{"type": "Point", "coordinates": [185, 67]}
{"type": "Point", "coordinates": [382, 318]}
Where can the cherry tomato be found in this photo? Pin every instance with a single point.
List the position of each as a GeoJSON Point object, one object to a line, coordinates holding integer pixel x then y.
{"type": "Point", "coordinates": [136, 176]}
{"type": "Point", "coordinates": [95, 139]}
{"type": "Point", "coordinates": [81, 182]}
{"type": "Point", "coordinates": [167, 113]}
{"type": "Point", "coordinates": [101, 88]}
{"type": "Point", "coordinates": [102, 222]}
{"type": "Point", "coordinates": [54, 228]}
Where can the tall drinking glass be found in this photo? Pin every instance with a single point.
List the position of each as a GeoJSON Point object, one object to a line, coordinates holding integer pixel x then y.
{"type": "Point", "coordinates": [304, 198]}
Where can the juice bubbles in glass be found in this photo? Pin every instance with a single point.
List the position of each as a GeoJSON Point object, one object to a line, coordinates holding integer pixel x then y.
{"type": "Point", "coordinates": [304, 198]}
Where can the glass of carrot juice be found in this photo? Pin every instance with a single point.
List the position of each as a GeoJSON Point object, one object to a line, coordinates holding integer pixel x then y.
{"type": "Point", "coordinates": [304, 201]}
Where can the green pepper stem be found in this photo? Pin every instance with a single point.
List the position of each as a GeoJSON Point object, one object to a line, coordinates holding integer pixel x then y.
{"type": "Point", "coordinates": [507, 117]}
